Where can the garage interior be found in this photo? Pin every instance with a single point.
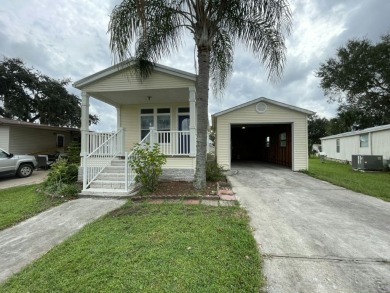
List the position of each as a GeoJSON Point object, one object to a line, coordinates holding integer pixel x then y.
{"type": "Point", "coordinates": [270, 143]}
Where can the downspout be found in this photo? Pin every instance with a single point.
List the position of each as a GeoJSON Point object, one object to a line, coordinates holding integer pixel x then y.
{"type": "Point", "coordinates": [370, 139]}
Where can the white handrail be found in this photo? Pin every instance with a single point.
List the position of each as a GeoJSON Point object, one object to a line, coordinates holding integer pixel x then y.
{"type": "Point", "coordinates": [106, 148]}
{"type": "Point", "coordinates": [129, 174]}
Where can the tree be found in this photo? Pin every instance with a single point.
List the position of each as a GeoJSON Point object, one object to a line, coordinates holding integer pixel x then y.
{"type": "Point", "coordinates": [31, 96]}
{"type": "Point", "coordinates": [359, 79]}
{"type": "Point", "coordinates": [317, 128]}
{"type": "Point", "coordinates": [156, 28]}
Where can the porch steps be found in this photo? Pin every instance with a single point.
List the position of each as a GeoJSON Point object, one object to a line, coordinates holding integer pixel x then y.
{"type": "Point", "coordinates": [110, 183]}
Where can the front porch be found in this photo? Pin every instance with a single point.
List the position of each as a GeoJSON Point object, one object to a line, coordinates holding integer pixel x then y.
{"type": "Point", "coordinates": [160, 109]}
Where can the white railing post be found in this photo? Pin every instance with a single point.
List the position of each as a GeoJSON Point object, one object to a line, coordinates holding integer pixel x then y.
{"type": "Point", "coordinates": [126, 173]}
{"type": "Point", "coordinates": [152, 136]}
{"type": "Point", "coordinates": [85, 169]}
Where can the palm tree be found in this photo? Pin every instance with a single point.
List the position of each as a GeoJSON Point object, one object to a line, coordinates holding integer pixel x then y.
{"type": "Point", "coordinates": [156, 28]}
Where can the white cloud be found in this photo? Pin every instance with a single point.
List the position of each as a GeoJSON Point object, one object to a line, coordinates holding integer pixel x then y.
{"type": "Point", "coordinates": [68, 38]}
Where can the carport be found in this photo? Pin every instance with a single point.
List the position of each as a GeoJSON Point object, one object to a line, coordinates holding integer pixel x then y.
{"type": "Point", "coordinates": [262, 130]}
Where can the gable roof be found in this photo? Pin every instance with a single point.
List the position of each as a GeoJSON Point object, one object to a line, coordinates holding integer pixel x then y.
{"type": "Point", "coordinates": [263, 99]}
{"type": "Point", "coordinates": [358, 132]}
{"type": "Point", "coordinates": [126, 64]}
{"type": "Point", "coordinates": [16, 123]}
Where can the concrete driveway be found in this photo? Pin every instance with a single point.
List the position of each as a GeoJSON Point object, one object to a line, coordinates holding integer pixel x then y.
{"type": "Point", "coordinates": [315, 236]}
{"type": "Point", "coordinates": [37, 176]}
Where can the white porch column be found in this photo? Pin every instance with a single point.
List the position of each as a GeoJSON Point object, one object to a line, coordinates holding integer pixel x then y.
{"type": "Point", "coordinates": [119, 127]}
{"type": "Point", "coordinates": [84, 122]}
{"type": "Point", "coordinates": [192, 100]}
{"type": "Point", "coordinates": [118, 118]}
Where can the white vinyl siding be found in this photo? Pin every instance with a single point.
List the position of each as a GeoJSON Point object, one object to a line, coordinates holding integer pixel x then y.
{"type": "Point", "coordinates": [123, 81]}
{"type": "Point", "coordinates": [4, 138]}
{"type": "Point", "coordinates": [180, 163]}
{"type": "Point", "coordinates": [274, 114]}
{"type": "Point", "coordinates": [32, 140]}
{"type": "Point", "coordinates": [378, 144]}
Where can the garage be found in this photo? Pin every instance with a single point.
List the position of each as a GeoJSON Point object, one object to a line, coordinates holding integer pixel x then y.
{"type": "Point", "coordinates": [262, 130]}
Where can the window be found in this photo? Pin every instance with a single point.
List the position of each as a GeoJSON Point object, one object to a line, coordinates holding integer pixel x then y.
{"type": "Point", "coordinates": [283, 139]}
{"type": "Point", "coordinates": [60, 141]}
{"type": "Point", "coordinates": [147, 121]}
{"type": "Point", "coordinates": [267, 141]}
{"type": "Point", "coordinates": [160, 117]}
{"type": "Point", "coordinates": [364, 140]}
{"type": "Point", "coordinates": [337, 145]}
{"type": "Point", "coordinates": [164, 124]}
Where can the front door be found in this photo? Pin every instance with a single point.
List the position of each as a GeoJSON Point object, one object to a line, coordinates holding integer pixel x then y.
{"type": "Point", "coordinates": [184, 138]}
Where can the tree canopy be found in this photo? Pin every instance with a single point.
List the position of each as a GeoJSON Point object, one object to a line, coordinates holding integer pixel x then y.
{"type": "Point", "coordinates": [156, 29]}
{"type": "Point", "coordinates": [28, 95]}
{"type": "Point", "coordinates": [317, 128]}
{"type": "Point", "coordinates": [359, 79]}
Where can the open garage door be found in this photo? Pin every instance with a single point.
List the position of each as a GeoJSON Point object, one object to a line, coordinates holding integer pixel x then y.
{"type": "Point", "coordinates": [270, 143]}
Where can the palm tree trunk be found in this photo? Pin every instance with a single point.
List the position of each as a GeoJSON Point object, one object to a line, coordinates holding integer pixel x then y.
{"type": "Point", "coordinates": [202, 103]}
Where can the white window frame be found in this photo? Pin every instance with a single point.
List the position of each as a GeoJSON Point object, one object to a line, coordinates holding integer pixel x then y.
{"type": "Point", "coordinates": [365, 145]}
{"type": "Point", "coordinates": [182, 114]}
{"type": "Point", "coordinates": [155, 114]}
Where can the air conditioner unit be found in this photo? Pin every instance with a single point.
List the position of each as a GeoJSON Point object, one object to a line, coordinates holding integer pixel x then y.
{"type": "Point", "coordinates": [367, 162]}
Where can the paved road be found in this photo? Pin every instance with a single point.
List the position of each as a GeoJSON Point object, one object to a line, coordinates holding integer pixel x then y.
{"type": "Point", "coordinates": [27, 241]}
{"type": "Point", "coordinates": [315, 237]}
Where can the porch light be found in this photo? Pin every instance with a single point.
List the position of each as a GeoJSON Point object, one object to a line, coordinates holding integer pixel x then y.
{"type": "Point", "coordinates": [243, 127]}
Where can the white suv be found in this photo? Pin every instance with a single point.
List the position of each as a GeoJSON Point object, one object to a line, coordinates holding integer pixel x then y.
{"type": "Point", "coordinates": [20, 165]}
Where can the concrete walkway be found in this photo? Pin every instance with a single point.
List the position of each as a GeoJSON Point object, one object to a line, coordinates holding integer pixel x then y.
{"type": "Point", "coordinates": [315, 237]}
{"type": "Point", "coordinates": [29, 240]}
{"type": "Point", "coordinates": [37, 176]}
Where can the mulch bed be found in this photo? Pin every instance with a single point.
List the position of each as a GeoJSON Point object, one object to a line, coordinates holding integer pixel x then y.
{"type": "Point", "coordinates": [181, 190]}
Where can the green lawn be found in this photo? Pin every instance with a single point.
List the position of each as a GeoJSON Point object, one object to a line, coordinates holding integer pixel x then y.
{"type": "Point", "coordinates": [20, 203]}
{"type": "Point", "coordinates": [371, 183]}
{"type": "Point", "coordinates": [152, 248]}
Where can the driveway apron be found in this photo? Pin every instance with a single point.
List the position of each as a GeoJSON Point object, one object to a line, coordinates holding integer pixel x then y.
{"type": "Point", "coordinates": [315, 236]}
{"type": "Point", "coordinates": [29, 240]}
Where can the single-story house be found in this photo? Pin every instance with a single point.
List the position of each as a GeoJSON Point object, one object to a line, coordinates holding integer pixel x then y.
{"type": "Point", "coordinates": [369, 141]}
{"type": "Point", "coordinates": [20, 137]}
{"type": "Point", "coordinates": [262, 130]}
{"type": "Point", "coordinates": [161, 109]}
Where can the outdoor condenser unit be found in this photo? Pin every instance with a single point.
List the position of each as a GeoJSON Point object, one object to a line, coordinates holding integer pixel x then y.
{"type": "Point", "coordinates": [367, 162]}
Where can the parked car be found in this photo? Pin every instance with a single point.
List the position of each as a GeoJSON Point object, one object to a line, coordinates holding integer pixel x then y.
{"type": "Point", "coordinates": [19, 165]}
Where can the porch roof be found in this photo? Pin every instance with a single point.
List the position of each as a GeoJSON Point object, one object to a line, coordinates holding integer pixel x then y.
{"type": "Point", "coordinates": [117, 85]}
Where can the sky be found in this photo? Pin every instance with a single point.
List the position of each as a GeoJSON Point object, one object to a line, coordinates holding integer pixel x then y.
{"type": "Point", "coordinates": [69, 39]}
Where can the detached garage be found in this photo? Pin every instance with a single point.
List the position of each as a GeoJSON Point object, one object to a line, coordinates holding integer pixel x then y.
{"type": "Point", "coordinates": [262, 130]}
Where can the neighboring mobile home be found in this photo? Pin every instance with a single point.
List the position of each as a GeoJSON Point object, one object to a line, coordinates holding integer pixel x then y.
{"type": "Point", "coordinates": [20, 137]}
{"type": "Point", "coordinates": [369, 141]}
{"type": "Point", "coordinates": [262, 130]}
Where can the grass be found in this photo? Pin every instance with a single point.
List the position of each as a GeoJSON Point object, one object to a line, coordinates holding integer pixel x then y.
{"type": "Point", "coordinates": [151, 248]}
{"type": "Point", "coordinates": [20, 203]}
{"type": "Point", "coordinates": [376, 184]}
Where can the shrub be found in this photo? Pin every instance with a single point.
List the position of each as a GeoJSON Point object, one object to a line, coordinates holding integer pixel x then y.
{"type": "Point", "coordinates": [61, 180]}
{"type": "Point", "coordinates": [73, 153]}
{"type": "Point", "coordinates": [147, 163]}
{"type": "Point", "coordinates": [214, 172]}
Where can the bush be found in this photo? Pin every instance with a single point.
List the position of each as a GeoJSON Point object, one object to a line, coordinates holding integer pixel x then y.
{"type": "Point", "coordinates": [147, 163]}
{"type": "Point", "coordinates": [214, 172]}
{"type": "Point", "coordinates": [73, 153]}
{"type": "Point", "coordinates": [62, 180]}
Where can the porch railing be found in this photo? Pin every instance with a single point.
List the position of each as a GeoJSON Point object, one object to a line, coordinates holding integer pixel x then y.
{"type": "Point", "coordinates": [102, 148]}
{"type": "Point", "coordinates": [172, 143]}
